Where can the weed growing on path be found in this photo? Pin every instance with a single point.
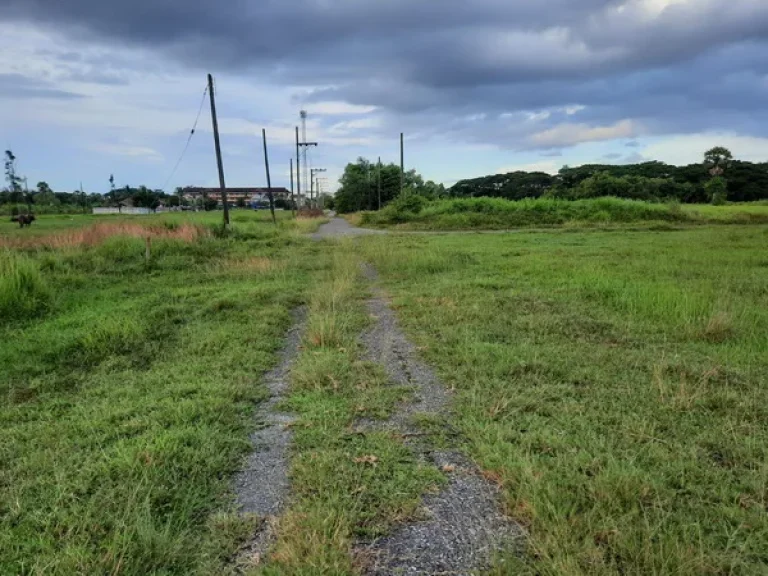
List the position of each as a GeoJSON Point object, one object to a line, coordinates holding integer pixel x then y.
{"type": "Point", "coordinates": [346, 484]}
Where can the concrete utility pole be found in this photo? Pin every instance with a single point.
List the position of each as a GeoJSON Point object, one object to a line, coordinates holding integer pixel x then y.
{"type": "Point", "coordinates": [312, 172]}
{"type": "Point", "coordinates": [269, 180]}
{"type": "Point", "coordinates": [217, 145]}
{"type": "Point", "coordinates": [293, 198]}
{"type": "Point", "coordinates": [301, 147]}
{"type": "Point", "coordinates": [378, 170]}
{"type": "Point", "coordinates": [402, 165]}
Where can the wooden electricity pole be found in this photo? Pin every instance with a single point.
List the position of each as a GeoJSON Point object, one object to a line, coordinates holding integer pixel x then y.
{"type": "Point", "coordinates": [378, 176]}
{"type": "Point", "coordinates": [269, 181]}
{"type": "Point", "coordinates": [293, 199]}
{"type": "Point", "coordinates": [402, 165]}
{"type": "Point", "coordinates": [217, 145]}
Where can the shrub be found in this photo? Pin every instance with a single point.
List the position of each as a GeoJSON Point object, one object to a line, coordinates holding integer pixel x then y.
{"type": "Point", "coordinates": [409, 203]}
{"type": "Point", "coordinates": [495, 213]}
{"type": "Point", "coordinates": [717, 190]}
{"type": "Point", "coordinates": [23, 292]}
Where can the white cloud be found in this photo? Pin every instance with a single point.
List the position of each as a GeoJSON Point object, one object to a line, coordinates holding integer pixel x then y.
{"type": "Point", "coordinates": [338, 109]}
{"type": "Point", "coordinates": [547, 166]}
{"type": "Point", "coordinates": [571, 110]}
{"type": "Point", "coordinates": [572, 134]}
{"type": "Point", "coordinates": [690, 148]}
{"type": "Point", "coordinates": [536, 116]}
{"type": "Point", "coordinates": [130, 151]}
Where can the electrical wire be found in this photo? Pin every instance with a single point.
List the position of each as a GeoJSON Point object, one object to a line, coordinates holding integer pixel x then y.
{"type": "Point", "coordinates": [189, 139]}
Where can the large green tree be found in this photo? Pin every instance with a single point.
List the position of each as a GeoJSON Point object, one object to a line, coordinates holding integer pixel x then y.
{"type": "Point", "coordinates": [359, 188]}
{"type": "Point", "coordinates": [717, 160]}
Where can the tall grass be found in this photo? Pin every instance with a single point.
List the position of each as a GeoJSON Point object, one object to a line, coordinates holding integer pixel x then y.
{"type": "Point", "coordinates": [99, 233]}
{"type": "Point", "coordinates": [125, 413]}
{"type": "Point", "coordinates": [496, 213]}
{"type": "Point", "coordinates": [23, 292]}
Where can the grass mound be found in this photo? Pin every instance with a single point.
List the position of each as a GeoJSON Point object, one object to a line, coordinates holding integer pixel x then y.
{"type": "Point", "coordinates": [23, 292]}
{"type": "Point", "coordinates": [497, 213]}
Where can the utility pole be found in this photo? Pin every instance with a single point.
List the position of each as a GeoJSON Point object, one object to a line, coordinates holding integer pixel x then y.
{"type": "Point", "coordinates": [305, 145]}
{"type": "Point", "coordinates": [319, 188]}
{"type": "Point", "coordinates": [82, 194]}
{"type": "Point", "coordinates": [402, 165]}
{"type": "Point", "coordinates": [378, 170]}
{"type": "Point", "coordinates": [269, 181]}
{"type": "Point", "coordinates": [312, 173]}
{"type": "Point", "coordinates": [293, 198]}
{"type": "Point", "coordinates": [217, 145]}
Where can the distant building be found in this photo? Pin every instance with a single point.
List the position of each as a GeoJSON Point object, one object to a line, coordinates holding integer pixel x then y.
{"type": "Point", "coordinates": [128, 211]}
{"type": "Point", "coordinates": [248, 195]}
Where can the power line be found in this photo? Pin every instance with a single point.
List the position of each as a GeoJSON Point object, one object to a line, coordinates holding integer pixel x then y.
{"type": "Point", "coordinates": [189, 139]}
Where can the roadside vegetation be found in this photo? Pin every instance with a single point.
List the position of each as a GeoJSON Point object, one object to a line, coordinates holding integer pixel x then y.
{"type": "Point", "coordinates": [129, 386]}
{"type": "Point", "coordinates": [613, 384]}
{"type": "Point", "coordinates": [416, 213]}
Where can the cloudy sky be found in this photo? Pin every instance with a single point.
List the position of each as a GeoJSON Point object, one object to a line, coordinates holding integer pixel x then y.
{"type": "Point", "coordinates": [94, 87]}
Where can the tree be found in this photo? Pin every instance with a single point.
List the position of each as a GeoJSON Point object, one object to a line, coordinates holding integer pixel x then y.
{"type": "Point", "coordinates": [44, 188]}
{"type": "Point", "coordinates": [45, 196]}
{"type": "Point", "coordinates": [717, 160]}
{"type": "Point", "coordinates": [717, 190]}
{"type": "Point", "coordinates": [14, 181]}
{"type": "Point", "coordinates": [359, 186]}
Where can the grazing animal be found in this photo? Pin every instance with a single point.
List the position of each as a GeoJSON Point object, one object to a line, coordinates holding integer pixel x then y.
{"type": "Point", "coordinates": [24, 219]}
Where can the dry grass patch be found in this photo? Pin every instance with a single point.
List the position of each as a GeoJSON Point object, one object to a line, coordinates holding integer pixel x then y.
{"type": "Point", "coordinates": [719, 328]}
{"type": "Point", "coordinates": [257, 264]}
{"type": "Point", "coordinates": [99, 233]}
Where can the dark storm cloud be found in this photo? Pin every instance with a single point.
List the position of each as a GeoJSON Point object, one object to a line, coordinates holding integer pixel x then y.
{"type": "Point", "coordinates": [18, 86]}
{"type": "Point", "coordinates": [464, 70]}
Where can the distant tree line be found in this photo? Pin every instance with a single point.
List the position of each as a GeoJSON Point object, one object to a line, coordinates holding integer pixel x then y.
{"type": "Point", "coordinates": [717, 179]}
{"type": "Point", "coordinates": [17, 197]}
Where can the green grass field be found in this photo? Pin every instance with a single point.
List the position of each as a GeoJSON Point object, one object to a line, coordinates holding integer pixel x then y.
{"type": "Point", "coordinates": [52, 223]}
{"type": "Point", "coordinates": [129, 389]}
{"type": "Point", "coordinates": [614, 383]}
{"type": "Point", "coordinates": [743, 211]}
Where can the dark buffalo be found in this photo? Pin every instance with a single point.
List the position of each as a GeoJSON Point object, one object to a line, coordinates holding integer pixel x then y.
{"type": "Point", "coordinates": [24, 219]}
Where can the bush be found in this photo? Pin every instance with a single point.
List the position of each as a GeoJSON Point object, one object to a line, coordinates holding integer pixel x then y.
{"type": "Point", "coordinates": [23, 292]}
{"type": "Point", "coordinates": [401, 209]}
{"type": "Point", "coordinates": [409, 203]}
{"type": "Point", "coordinates": [717, 190]}
{"type": "Point", "coordinates": [495, 213]}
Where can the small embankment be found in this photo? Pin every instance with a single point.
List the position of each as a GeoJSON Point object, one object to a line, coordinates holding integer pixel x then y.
{"type": "Point", "coordinates": [414, 213]}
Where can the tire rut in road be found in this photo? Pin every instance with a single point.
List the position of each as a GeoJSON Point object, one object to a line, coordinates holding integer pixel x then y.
{"type": "Point", "coordinates": [262, 487]}
{"type": "Point", "coordinates": [463, 526]}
